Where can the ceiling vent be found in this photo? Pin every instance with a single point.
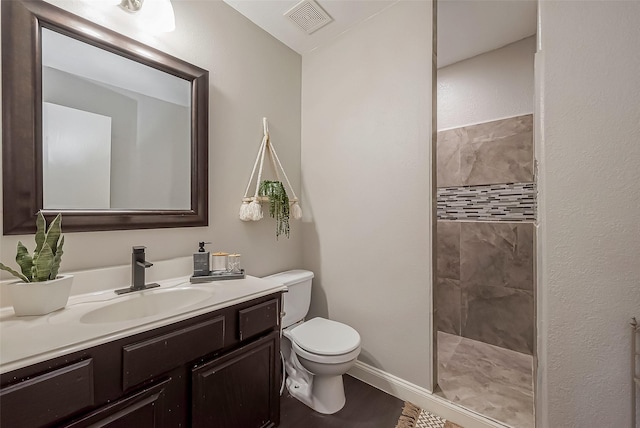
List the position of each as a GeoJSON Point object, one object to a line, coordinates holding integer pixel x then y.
{"type": "Point", "coordinates": [309, 16]}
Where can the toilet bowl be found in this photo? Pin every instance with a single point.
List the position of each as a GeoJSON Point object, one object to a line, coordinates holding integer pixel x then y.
{"type": "Point", "coordinates": [316, 352]}
{"type": "Point", "coordinates": [325, 349]}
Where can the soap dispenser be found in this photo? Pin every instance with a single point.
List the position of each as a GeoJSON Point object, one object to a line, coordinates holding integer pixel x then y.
{"type": "Point", "coordinates": [201, 261]}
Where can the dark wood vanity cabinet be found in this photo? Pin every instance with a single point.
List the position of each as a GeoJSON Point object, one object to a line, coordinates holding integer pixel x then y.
{"type": "Point", "coordinates": [218, 370]}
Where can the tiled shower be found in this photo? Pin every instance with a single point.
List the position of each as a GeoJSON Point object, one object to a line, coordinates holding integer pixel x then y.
{"type": "Point", "coordinates": [485, 241]}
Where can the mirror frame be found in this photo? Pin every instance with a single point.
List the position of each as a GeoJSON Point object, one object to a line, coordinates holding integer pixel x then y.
{"type": "Point", "coordinates": [22, 23]}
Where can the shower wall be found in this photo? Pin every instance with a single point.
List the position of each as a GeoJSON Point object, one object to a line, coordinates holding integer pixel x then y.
{"type": "Point", "coordinates": [485, 240]}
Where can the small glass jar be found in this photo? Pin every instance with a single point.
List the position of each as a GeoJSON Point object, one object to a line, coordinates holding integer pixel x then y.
{"type": "Point", "coordinates": [219, 262]}
{"type": "Point", "coordinates": [233, 263]}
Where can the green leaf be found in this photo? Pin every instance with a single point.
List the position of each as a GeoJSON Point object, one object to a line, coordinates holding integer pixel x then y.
{"type": "Point", "coordinates": [278, 204]}
{"type": "Point", "coordinates": [42, 264]}
{"type": "Point", "coordinates": [53, 234]}
{"type": "Point", "coordinates": [40, 232]}
{"type": "Point", "coordinates": [55, 267]}
{"type": "Point", "coordinates": [14, 273]}
{"type": "Point", "coordinates": [24, 260]}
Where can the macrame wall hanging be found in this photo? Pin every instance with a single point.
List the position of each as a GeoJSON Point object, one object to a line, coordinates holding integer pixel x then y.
{"type": "Point", "coordinates": [281, 207]}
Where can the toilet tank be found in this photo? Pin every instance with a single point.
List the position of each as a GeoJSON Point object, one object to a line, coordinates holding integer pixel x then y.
{"type": "Point", "coordinates": [296, 301]}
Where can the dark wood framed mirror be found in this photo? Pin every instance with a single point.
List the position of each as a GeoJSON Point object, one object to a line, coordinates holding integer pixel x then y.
{"type": "Point", "coordinates": [23, 106]}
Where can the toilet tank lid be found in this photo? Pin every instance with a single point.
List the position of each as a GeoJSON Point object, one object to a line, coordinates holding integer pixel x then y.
{"type": "Point", "coordinates": [325, 337]}
{"type": "Point", "coordinates": [291, 277]}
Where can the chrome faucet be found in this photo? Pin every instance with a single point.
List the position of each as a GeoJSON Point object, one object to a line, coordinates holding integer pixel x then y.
{"type": "Point", "coordinates": [138, 267]}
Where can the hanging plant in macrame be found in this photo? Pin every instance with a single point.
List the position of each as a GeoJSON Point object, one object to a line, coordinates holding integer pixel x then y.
{"type": "Point", "coordinates": [280, 205]}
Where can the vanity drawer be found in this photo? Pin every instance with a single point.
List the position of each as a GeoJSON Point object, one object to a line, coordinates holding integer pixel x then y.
{"type": "Point", "coordinates": [258, 318]}
{"type": "Point", "coordinates": [48, 397]}
{"type": "Point", "coordinates": [140, 409]}
{"type": "Point", "coordinates": [147, 359]}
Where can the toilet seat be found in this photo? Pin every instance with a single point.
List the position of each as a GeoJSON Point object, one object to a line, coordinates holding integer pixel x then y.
{"type": "Point", "coordinates": [325, 359]}
{"type": "Point", "coordinates": [323, 340]}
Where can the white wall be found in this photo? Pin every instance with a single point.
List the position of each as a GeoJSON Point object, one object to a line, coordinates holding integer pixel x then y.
{"type": "Point", "coordinates": [366, 103]}
{"type": "Point", "coordinates": [251, 75]}
{"type": "Point", "coordinates": [589, 182]}
{"type": "Point", "coordinates": [494, 85]}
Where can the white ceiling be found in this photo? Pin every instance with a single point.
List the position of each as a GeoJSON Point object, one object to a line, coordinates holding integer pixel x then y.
{"type": "Point", "coordinates": [269, 15]}
{"type": "Point", "coordinates": [466, 28]}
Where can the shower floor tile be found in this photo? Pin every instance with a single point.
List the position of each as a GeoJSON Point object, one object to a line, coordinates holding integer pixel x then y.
{"type": "Point", "coordinates": [487, 379]}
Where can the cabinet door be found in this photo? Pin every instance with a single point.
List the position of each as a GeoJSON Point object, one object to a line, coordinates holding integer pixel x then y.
{"type": "Point", "coordinates": [239, 389]}
{"type": "Point", "coordinates": [143, 409]}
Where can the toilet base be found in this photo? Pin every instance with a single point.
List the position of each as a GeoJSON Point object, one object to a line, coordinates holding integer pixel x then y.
{"type": "Point", "coordinates": [324, 394]}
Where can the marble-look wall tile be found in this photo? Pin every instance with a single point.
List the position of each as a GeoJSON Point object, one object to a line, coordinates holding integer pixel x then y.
{"type": "Point", "coordinates": [508, 160]}
{"type": "Point", "coordinates": [486, 267]}
{"type": "Point", "coordinates": [498, 315]}
{"type": "Point", "coordinates": [497, 130]}
{"type": "Point", "coordinates": [484, 288]}
{"type": "Point", "coordinates": [448, 249]}
{"type": "Point", "coordinates": [448, 157]}
{"type": "Point", "coordinates": [448, 305]}
{"type": "Point", "coordinates": [496, 254]}
{"type": "Point", "coordinates": [494, 152]}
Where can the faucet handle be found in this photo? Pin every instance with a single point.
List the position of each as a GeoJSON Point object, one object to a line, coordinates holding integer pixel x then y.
{"type": "Point", "coordinates": [138, 249]}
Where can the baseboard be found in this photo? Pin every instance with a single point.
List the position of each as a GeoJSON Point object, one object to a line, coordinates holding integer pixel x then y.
{"type": "Point", "coordinates": [421, 397]}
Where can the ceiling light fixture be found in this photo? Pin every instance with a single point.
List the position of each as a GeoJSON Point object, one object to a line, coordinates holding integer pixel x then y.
{"type": "Point", "coordinates": [131, 5]}
{"type": "Point", "coordinates": [156, 15]}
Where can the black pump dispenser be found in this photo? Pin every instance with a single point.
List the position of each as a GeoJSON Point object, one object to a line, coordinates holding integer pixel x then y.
{"type": "Point", "coordinates": [201, 260]}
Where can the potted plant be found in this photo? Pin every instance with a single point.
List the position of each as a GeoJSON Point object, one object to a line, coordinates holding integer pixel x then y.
{"type": "Point", "coordinates": [278, 204]}
{"type": "Point", "coordinates": [40, 289]}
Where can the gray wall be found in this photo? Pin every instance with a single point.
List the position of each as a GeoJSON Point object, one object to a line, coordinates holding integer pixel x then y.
{"type": "Point", "coordinates": [494, 85]}
{"type": "Point", "coordinates": [366, 178]}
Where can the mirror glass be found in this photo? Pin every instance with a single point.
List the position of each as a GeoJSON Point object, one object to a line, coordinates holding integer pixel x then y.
{"type": "Point", "coordinates": [116, 133]}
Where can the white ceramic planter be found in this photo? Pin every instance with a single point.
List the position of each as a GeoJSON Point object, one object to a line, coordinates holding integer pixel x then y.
{"type": "Point", "coordinates": [40, 298]}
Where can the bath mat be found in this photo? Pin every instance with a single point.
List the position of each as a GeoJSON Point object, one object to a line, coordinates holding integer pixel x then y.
{"type": "Point", "coordinates": [414, 417]}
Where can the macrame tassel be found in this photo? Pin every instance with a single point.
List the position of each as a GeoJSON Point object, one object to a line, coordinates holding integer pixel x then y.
{"type": "Point", "coordinates": [296, 211]}
{"type": "Point", "coordinates": [254, 210]}
{"type": "Point", "coordinates": [244, 211]}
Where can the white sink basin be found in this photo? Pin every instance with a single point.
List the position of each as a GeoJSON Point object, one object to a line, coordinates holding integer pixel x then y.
{"type": "Point", "coordinates": [145, 304]}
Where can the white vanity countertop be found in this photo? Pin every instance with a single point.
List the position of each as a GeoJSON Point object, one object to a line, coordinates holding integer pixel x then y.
{"type": "Point", "coordinates": [29, 340]}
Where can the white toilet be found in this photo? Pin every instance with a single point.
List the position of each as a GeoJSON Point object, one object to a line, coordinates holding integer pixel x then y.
{"type": "Point", "coordinates": [316, 352]}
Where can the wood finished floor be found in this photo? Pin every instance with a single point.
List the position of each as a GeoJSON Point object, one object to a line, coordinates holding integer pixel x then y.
{"type": "Point", "coordinates": [366, 407]}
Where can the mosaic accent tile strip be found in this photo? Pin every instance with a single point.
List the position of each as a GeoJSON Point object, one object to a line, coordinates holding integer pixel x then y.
{"type": "Point", "coordinates": [493, 202]}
